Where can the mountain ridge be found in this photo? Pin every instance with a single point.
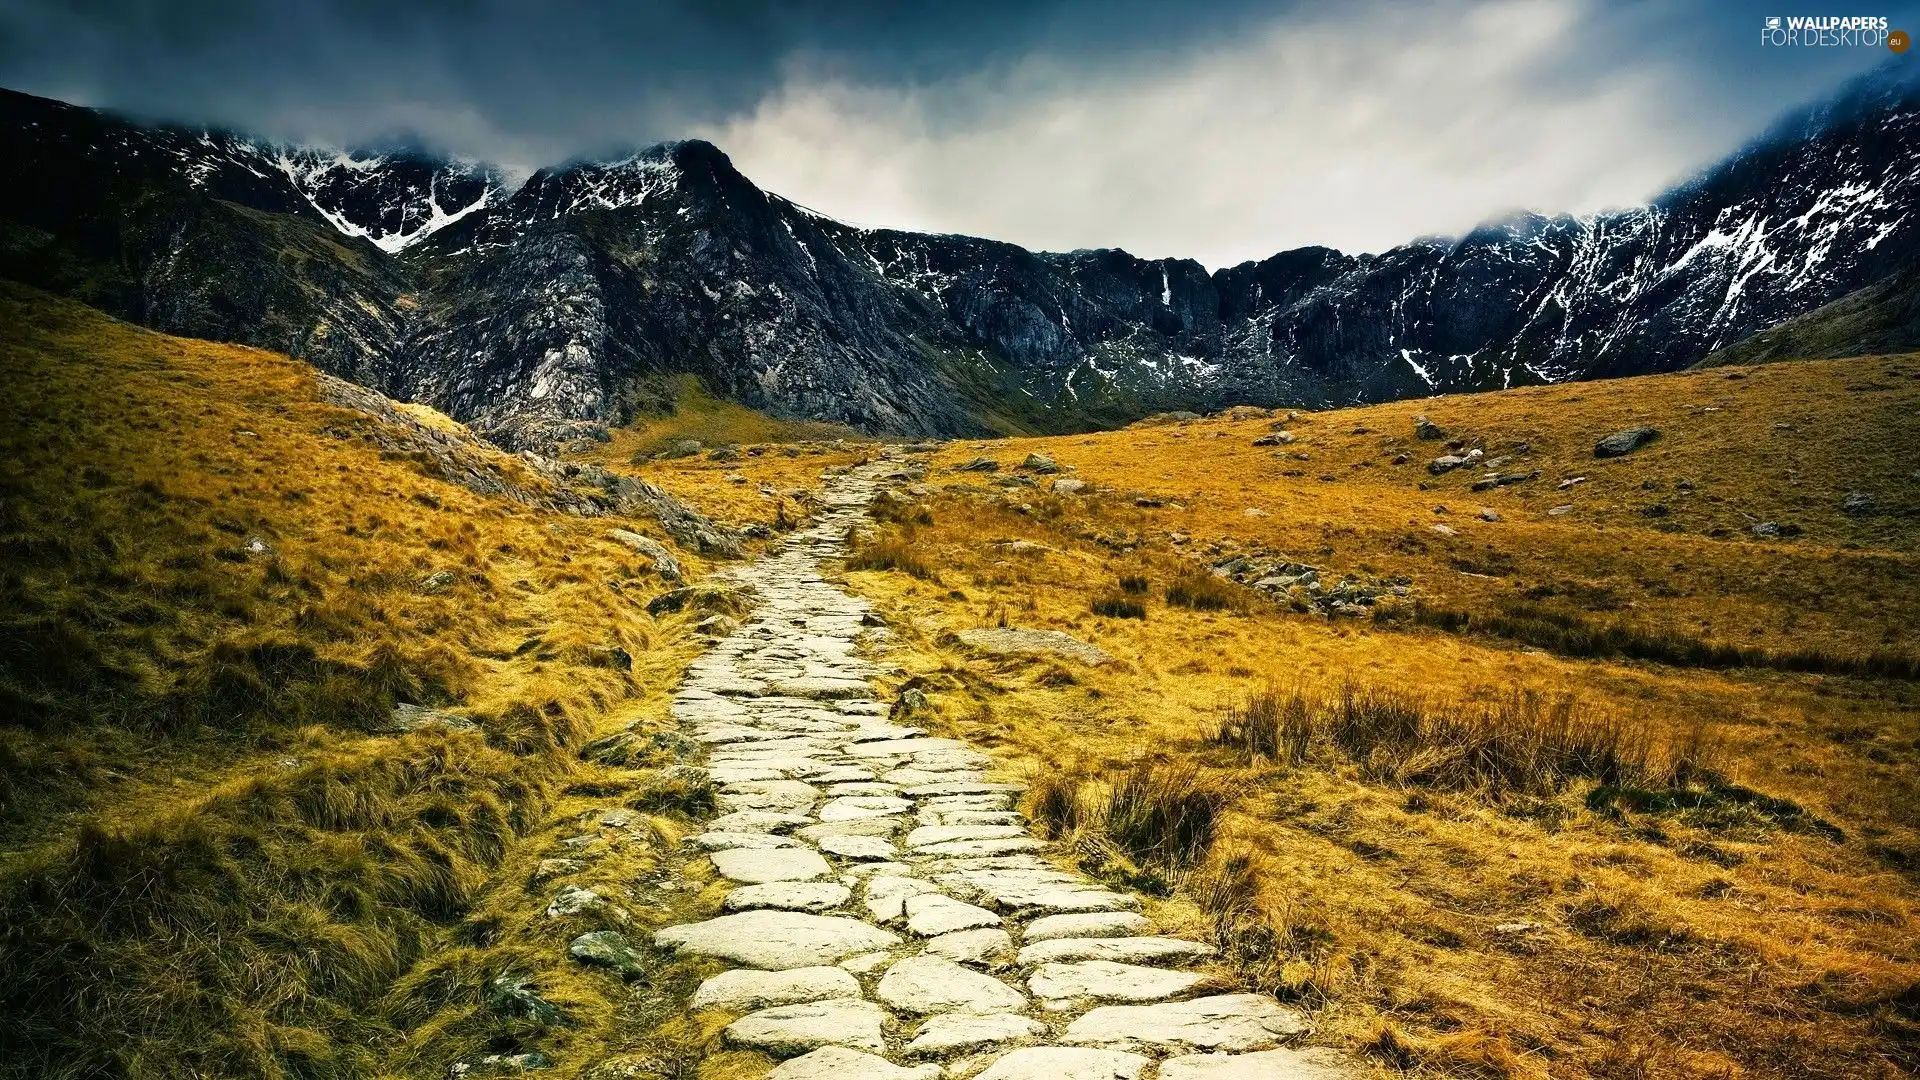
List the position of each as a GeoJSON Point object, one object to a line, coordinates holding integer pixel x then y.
{"type": "Point", "coordinates": [543, 312]}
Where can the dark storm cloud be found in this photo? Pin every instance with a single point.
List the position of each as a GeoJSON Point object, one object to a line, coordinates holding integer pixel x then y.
{"type": "Point", "coordinates": [545, 78]}
{"type": "Point", "coordinates": [1217, 129]}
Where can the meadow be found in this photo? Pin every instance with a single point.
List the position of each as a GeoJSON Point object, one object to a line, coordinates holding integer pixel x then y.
{"type": "Point", "coordinates": [1609, 771]}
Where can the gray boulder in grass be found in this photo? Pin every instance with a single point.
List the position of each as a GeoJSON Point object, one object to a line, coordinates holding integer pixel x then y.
{"type": "Point", "coordinates": [1622, 443]}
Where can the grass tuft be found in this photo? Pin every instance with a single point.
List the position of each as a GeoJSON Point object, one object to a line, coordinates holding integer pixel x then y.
{"type": "Point", "coordinates": [1202, 591]}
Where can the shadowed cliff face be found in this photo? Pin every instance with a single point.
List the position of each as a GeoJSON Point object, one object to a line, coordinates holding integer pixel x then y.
{"type": "Point", "coordinates": [535, 313]}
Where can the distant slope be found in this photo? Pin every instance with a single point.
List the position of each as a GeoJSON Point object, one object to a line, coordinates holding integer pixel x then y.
{"type": "Point", "coordinates": [1882, 318]}
{"type": "Point", "coordinates": [538, 315]}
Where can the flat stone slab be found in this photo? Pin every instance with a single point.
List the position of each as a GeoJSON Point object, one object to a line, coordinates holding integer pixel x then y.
{"type": "Point", "coordinates": [902, 747]}
{"type": "Point", "coordinates": [1064, 1063]}
{"type": "Point", "coordinates": [1228, 1022]}
{"type": "Point", "coordinates": [932, 914]}
{"type": "Point", "coordinates": [1103, 980]}
{"type": "Point", "coordinates": [861, 806]}
{"type": "Point", "coordinates": [1092, 924]}
{"type": "Point", "coordinates": [949, 1032]}
{"type": "Point", "coordinates": [867, 848]}
{"type": "Point", "coordinates": [776, 940]}
{"type": "Point", "coordinates": [754, 867]}
{"type": "Point", "coordinates": [840, 1063]}
{"type": "Point", "coordinates": [757, 821]}
{"type": "Point", "coordinates": [1010, 845]}
{"type": "Point", "coordinates": [886, 897]}
{"type": "Point", "coordinates": [747, 841]}
{"type": "Point", "coordinates": [813, 896]}
{"type": "Point", "coordinates": [1033, 890]}
{"type": "Point", "coordinates": [864, 787]}
{"type": "Point", "coordinates": [1122, 949]}
{"type": "Point", "coordinates": [742, 989]}
{"type": "Point", "coordinates": [1007, 641]}
{"type": "Point", "coordinates": [865, 826]}
{"type": "Point", "coordinates": [987, 947]}
{"type": "Point", "coordinates": [934, 984]}
{"type": "Point", "coordinates": [952, 788]}
{"type": "Point", "coordinates": [1283, 1064]}
{"type": "Point", "coordinates": [788, 1030]}
{"type": "Point", "coordinates": [941, 834]}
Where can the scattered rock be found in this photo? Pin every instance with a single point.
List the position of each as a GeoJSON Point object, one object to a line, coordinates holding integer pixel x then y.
{"type": "Point", "coordinates": [438, 581]}
{"type": "Point", "coordinates": [1560, 511]}
{"type": "Point", "coordinates": [573, 900]}
{"type": "Point", "coordinates": [608, 949]}
{"type": "Point", "coordinates": [1857, 503]}
{"type": "Point", "coordinates": [663, 560]}
{"type": "Point", "coordinates": [1624, 442]}
{"type": "Point", "coordinates": [1487, 514]}
{"type": "Point", "coordinates": [1571, 481]}
{"type": "Point", "coordinates": [413, 718]}
{"type": "Point", "coordinates": [1446, 463]}
{"type": "Point", "coordinates": [979, 464]}
{"type": "Point", "coordinates": [1426, 429]}
{"type": "Point", "coordinates": [516, 996]}
{"type": "Point", "coordinates": [1040, 463]}
{"type": "Point", "coordinates": [1067, 485]}
{"type": "Point", "coordinates": [1280, 437]}
{"type": "Point", "coordinates": [1500, 480]}
{"type": "Point", "coordinates": [1006, 641]}
{"type": "Point", "coordinates": [680, 448]}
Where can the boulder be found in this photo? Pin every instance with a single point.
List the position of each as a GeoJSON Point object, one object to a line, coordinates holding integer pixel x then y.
{"type": "Point", "coordinates": [1067, 485]}
{"type": "Point", "coordinates": [1040, 463]}
{"type": "Point", "coordinates": [1426, 429]}
{"type": "Point", "coordinates": [1624, 442]}
{"type": "Point", "coordinates": [979, 464]}
{"type": "Point", "coordinates": [608, 949]}
{"type": "Point", "coordinates": [663, 560]}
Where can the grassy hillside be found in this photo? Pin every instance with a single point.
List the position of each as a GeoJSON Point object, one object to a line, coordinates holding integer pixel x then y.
{"type": "Point", "coordinates": [1599, 782]}
{"type": "Point", "coordinates": [221, 857]}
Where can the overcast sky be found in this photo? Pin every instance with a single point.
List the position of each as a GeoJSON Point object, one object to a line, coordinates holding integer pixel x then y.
{"type": "Point", "coordinates": [1221, 131]}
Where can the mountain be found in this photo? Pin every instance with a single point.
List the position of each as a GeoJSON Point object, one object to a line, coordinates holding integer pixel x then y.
{"type": "Point", "coordinates": [544, 312]}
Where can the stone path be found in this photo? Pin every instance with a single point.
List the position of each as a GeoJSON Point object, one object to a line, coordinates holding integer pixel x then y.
{"type": "Point", "coordinates": [894, 918]}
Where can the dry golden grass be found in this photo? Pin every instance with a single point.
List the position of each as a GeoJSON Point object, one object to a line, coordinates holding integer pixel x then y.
{"type": "Point", "coordinates": [214, 863]}
{"type": "Point", "coordinates": [1469, 854]}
